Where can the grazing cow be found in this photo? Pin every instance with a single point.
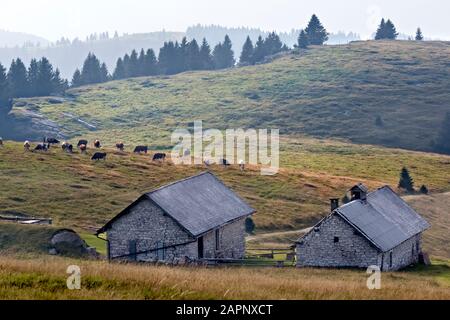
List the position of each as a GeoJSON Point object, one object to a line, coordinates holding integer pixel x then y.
{"type": "Point", "coordinates": [67, 147]}
{"type": "Point", "coordinates": [27, 145]}
{"type": "Point", "coordinates": [99, 156]}
{"type": "Point", "coordinates": [83, 148]}
{"type": "Point", "coordinates": [97, 144]}
{"type": "Point", "coordinates": [82, 142]}
{"type": "Point", "coordinates": [225, 162]}
{"type": "Point", "coordinates": [159, 156]}
{"type": "Point", "coordinates": [140, 149]}
{"type": "Point", "coordinates": [41, 147]}
{"type": "Point", "coordinates": [51, 141]}
{"type": "Point", "coordinates": [120, 146]}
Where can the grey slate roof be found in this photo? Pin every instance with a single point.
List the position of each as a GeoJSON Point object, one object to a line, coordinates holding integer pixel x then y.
{"type": "Point", "coordinates": [384, 218]}
{"type": "Point", "coordinates": [199, 204]}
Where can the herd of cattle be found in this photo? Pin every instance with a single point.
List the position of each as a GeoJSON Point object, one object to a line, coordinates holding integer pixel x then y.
{"type": "Point", "coordinates": [82, 145]}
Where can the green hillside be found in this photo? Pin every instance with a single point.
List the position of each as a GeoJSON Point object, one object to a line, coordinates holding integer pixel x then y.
{"type": "Point", "coordinates": [331, 91]}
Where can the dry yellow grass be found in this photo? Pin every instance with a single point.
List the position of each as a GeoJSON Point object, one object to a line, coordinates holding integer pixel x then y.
{"type": "Point", "coordinates": [46, 279]}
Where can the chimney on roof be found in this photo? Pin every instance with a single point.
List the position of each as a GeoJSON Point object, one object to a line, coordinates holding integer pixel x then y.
{"type": "Point", "coordinates": [334, 204]}
{"type": "Point", "coordinates": [359, 192]}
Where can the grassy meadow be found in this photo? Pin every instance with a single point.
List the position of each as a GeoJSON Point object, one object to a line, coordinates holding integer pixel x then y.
{"type": "Point", "coordinates": [46, 279]}
{"type": "Point", "coordinates": [331, 91]}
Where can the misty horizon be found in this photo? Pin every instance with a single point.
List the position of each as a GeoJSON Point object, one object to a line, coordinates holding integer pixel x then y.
{"type": "Point", "coordinates": [79, 19]}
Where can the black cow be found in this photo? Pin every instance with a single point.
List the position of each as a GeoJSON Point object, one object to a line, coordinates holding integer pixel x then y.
{"type": "Point", "coordinates": [42, 147]}
{"type": "Point", "coordinates": [140, 149]}
{"type": "Point", "coordinates": [225, 162]}
{"type": "Point", "coordinates": [97, 144]}
{"type": "Point", "coordinates": [120, 146]}
{"type": "Point", "coordinates": [81, 142]}
{"type": "Point", "coordinates": [51, 141]}
{"type": "Point", "coordinates": [67, 147]}
{"type": "Point", "coordinates": [159, 156]}
{"type": "Point", "coordinates": [99, 156]}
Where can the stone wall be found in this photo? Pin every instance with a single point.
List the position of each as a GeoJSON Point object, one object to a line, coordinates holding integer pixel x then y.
{"type": "Point", "coordinates": [403, 255]}
{"type": "Point", "coordinates": [148, 226]}
{"type": "Point", "coordinates": [319, 249]}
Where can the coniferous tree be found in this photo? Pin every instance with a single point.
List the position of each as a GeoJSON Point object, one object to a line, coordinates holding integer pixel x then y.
{"type": "Point", "coordinates": [390, 33]}
{"type": "Point", "coordinates": [424, 189]}
{"type": "Point", "coordinates": [406, 182]}
{"type": "Point", "coordinates": [272, 44]}
{"type": "Point", "coordinates": [443, 140]}
{"type": "Point", "coordinates": [223, 54]}
{"type": "Point", "coordinates": [4, 91]}
{"type": "Point", "coordinates": [317, 34]}
{"type": "Point", "coordinates": [92, 71]}
{"type": "Point", "coordinates": [119, 71]}
{"type": "Point", "coordinates": [33, 78]}
{"type": "Point", "coordinates": [182, 52]}
{"type": "Point", "coordinates": [126, 65]}
{"type": "Point", "coordinates": [259, 52]}
{"type": "Point", "coordinates": [194, 61]}
{"type": "Point", "coordinates": [76, 79]}
{"type": "Point", "coordinates": [302, 41]}
{"type": "Point", "coordinates": [134, 64]}
{"type": "Point", "coordinates": [247, 52]}
{"type": "Point", "coordinates": [104, 74]}
{"type": "Point", "coordinates": [141, 63]}
{"type": "Point", "coordinates": [381, 30]}
{"type": "Point", "coordinates": [17, 79]}
{"type": "Point", "coordinates": [60, 85]}
{"type": "Point", "coordinates": [386, 31]}
{"type": "Point", "coordinates": [45, 78]}
{"type": "Point", "coordinates": [151, 64]}
{"type": "Point", "coordinates": [167, 59]}
{"type": "Point", "coordinates": [206, 56]}
{"type": "Point", "coordinates": [419, 35]}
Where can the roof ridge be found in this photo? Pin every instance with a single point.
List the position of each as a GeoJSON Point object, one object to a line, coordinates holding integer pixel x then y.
{"type": "Point", "coordinates": [180, 181]}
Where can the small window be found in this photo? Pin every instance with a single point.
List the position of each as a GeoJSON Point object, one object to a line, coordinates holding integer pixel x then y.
{"type": "Point", "coordinates": [336, 239]}
{"type": "Point", "coordinates": [218, 239]}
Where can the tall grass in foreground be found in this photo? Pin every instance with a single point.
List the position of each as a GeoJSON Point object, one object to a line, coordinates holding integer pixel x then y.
{"type": "Point", "coordinates": [46, 279]}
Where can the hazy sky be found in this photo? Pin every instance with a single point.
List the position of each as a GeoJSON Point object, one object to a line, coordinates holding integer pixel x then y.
{"type": "Point", "coordinates": [77, 18]}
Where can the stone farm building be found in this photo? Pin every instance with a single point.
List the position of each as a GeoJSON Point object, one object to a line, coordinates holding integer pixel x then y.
{"type": "Point", "coordinates": [196, 218]}
{"type": "Point", "coordinates": [374, 229]}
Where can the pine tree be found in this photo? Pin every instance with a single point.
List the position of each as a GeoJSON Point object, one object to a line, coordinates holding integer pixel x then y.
{"type": "Point", "coordinates": [76, 79]}
{"type": "Point", "coordinates": [424, 189]}
{"type": "Point", "coordinates": [317, 34]}
{"type": "Point", "coordinates": [406, 182]}
{"type": "Point", "coordinates": [443, 141]}
{"type": "Point", "coordinates": [259, 52]}
{"type": "Point", "coordinates": [167, 60]}
{"type": "Point", "coordinates": [390, 33]}
{"type": "Point", "coordinates": [273, 44]}
{"type": "Point", "coordinates": [223, 54]}
{"type": "Point", "coordinates": [126, 66]}
{"type": "Point", "coordinates": [45, 78]}
{"type": "Point", "coordinates": [302, 41]}
{"type": "Point", "coordinates": [194, 61]}
{"type": "Point", "coordinates": [60, 85]}
{"type": "Point", "coordinates": [119, 71]}
{"type": "Point", "coordinates": [150, 63]}
{"type": "Point", "coordinates": [381, 30]}
{"type": "Point", "coordinates": [104, 74]}
{"type": "Point", "coordinates": [141, 63]}
{"type": "Point", "coordinates": [91, 71]}
{"type": "Point", "coordinates": [134, 64]}
{"type": "Point", "coordinates": [4, 92]}
{"type": "Point", "coordinates": [206, 56]}
{"type": "Point", "coordinates": [419, 35]}
{"type": "Point", "coordinates": [182, 53]}
{"type": "Point", "coordinates": [247, 52]}
{"type": "Point", "coordinates": [33, 78]}
{"type": "Point", "coordinates": [386, 31]}
{"type": "Point", "coordinates": [17, 79]}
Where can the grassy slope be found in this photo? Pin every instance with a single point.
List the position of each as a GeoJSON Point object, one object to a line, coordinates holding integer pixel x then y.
{"type": "Point", "coordinates": [332, 91]}
{"type": "Point", "coordinates": [83, 195]}
{"type": "Point", "coordinates": [46, 279]}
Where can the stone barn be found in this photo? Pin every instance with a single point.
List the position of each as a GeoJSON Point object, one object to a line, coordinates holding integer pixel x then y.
{"type": "Point", "coordinates": [373, 229]}
{"type": "Point", "coordinates": [196, 218]}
